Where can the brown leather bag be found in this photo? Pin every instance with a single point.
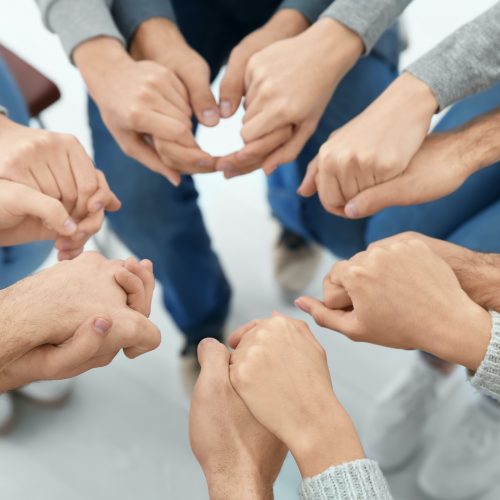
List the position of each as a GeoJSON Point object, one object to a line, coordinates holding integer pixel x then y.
{"type": "Point", "coordinates": [38, 91]}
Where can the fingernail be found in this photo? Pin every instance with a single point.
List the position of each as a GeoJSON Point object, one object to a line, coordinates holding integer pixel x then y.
{"type": "Point", "coordinates": [351, 210]}
{"type": "Point", "coordinates": [302, 306]}
{"type": "Point", "coordinates": [225, 108]}
{"type": "Point", "coordinates": [96, 207]}
{"type": "Point", "coordinates": [70, 225]}
{"type": "Point", "coordinates": [102, 326]}
{"type": "Point", "coordinates": [210, 117]}
{"type": "Point", "coordinates": [209, 340]}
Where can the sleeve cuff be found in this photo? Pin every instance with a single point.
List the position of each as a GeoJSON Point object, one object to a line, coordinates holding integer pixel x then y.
{"type": "Point", "coordinates": [487, 377]}
{"type": "Point", "coordinates": [350, 481]}
{"type": "Point", "coordinates": [130, 14]}
{"type": "Point", "coordinates": [78, 23]}
{"type": "Point", "coordinates": [311, 9]}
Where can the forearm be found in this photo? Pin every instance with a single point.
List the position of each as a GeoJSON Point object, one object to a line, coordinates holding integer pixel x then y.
{"type": "Point", "coordinates": [78, 21]}
{"type": "Point", "coordinates": [368, 18]}
{"type": "Point", "coordinates": [232, 486]}
{"type": "Point", "coordinates": [466, 62]}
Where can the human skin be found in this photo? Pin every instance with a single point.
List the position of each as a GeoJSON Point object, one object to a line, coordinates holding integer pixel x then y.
{"type": "Point", "coordinates": [280, 371]}
{"type": "Point", "coordinates": [441, 165]}
{"type": "Point", "coordinates": [36, 316]}
{"type": "Point", "coordinates": [374, 147]}
{"type": "Point", "coordinates": [291, 82]}
{"type": "Point", "coordinates": [403, 295]}
{"type": "Point", "coordinates": [239, 457]}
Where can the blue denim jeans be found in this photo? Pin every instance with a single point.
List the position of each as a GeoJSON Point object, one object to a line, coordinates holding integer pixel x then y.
{"type": "Point", "coordinates": [17, 262]}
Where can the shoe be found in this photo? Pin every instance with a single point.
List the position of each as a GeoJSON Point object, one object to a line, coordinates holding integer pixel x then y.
{"type": "Point", "coordinates": [50, 392]}
{"type": "Point", "coordinates": [466, 462]}
{"type": "Point", "coordinates": [190, 367]}
{"type": "Point", "coordinates": [295, 262]}
{"type": "Point", "coordinates": [396, 426]}
{"type": "Point", "coordinates": [6, 412]}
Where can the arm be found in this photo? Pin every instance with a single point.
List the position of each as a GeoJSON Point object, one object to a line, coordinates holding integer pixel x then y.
{"type": "Point", "coordinates": [368, 18]}
{"type": "Point", "coordinates": [78, 21]}
{"type": "Point", "coordinates": [466, 62]}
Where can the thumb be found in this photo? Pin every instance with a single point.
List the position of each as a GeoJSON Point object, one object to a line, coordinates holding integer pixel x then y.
{"type": "Point", "coordinates": [196, 78]}
{"type": "Point", "coordinates": [213, 358]}
{"type": "Point", "coordinates": [232, 86]}
{"type": "Point", "coordinates": [61, 361]}
{"type": "Point", "coordinates": [29, 202]}
{"type": "Point", "coordinates": [376, 198]}
{"type": "Point", "coordinates": [338, 319]}
{"type": "Point", "coordinates": [308, 187]}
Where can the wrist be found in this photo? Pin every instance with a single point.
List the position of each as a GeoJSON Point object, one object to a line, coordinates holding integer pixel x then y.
{"type": "Point", "coordinates": [244, 485]}
{"type": "Point", "coordinates": [287, 23]}
{"type": "Point", "coordinates": [329, 441]}
{"type": "Point", "coordinates": [416, 94]}
{"type": "Point", "coordinates": [337, 45]}
{"type": "Point", "coordinates": [95, 57]}
{"type": "Point", "coordinates": [154, 38]}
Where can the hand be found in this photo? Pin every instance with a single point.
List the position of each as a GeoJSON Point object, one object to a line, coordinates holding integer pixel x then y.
{"type": "Point", "coordinates": [406, 297]}
{"type": "Point", "coordinates": [477, 272]}
{"type": "Point", "coordinates": [137, 101]}
{"type": "Point", "coordinates": [291, 82]}
{"type": "Point", "coordinates": [375, 147]}
{"type": "Point", "coordinates": [281, 373]}
{"type": "Point", "coordinates": [94, 344]}
{"type": "Point", "coordinates": [239, 457]}
{"type": "Point", "coordinates": [284, 24]}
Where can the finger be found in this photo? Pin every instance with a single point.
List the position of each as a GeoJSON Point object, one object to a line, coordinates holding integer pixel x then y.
{"type": "Point", "coordinates": [373, 200]}
{"type": "Point", "coordinates": [45, 181]}
{"type": "Point", "coordinates": [263, 123]}
{"type": "Point", "coordinates": [182, 114]}
{"type": "Point", "coordinates": [196, 78]}
{"type": "Point", "coordinates": [330, 193]}
{"type": "Point", "coordinates": [335, 296]}
{"type": "Point", "coordinates": [144, 153]}
{"type": "Point", "coordinates": [288, 151]}
{"type": "Point", "coordinates": [214, 359]}
{"type": "Point", "coordinates": [337, 320]}
{"type": "Point", "coordinates": [308, 186]}
{"type": "Point", "coordinates": [164, 127]}
{"type": "Point", "coordinates": [232, 86]}
{"type": "Point", "coordinates": [190, 160]}
{"type": "Point", "coordinates": [235, 337]}
{"type": "Point", "coordinates": [263, 147]}
{"type": "Point", "coordinates": [143, 270]}
{"type": "Point", "coordinates": [23, 201]}
{"type": "Point", "coordinates": [143, 335]}
{"type": "Point", "coordinates": [69, 254]}
{"type": "Point", "coordinates": [173, 91]}
{"type": "Point", "coordinates": [104, 198]}
{"type": "Point", "coordinates": [134, 288]}
{"type": "Point", "coordinates": [61, 361]}
{"type": "Point", "coordinates": [61, 170]}
{"type": "Point", "coordinates": [84, 173]}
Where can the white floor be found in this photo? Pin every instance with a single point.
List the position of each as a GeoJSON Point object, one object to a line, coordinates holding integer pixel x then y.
{"type": "Point", "coordinates": [123, 434]}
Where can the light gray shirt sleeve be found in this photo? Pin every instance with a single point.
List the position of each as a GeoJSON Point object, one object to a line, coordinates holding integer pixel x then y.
{"type": "Point", "coordinates": [466, 62]}
{"type": "Point", "coordinates": [368, 18]}
{"type": "Point", "coordinates": [487, 377]}
{"type": "Point", "coordinates": [358, 480]}
{"type": "Point", "coordinates": [76, 21]}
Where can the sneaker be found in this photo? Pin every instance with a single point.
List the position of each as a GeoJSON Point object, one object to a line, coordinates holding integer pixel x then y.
{"type": "Point", "coordinates": [50, 392]}
{"type": "Point", "coordinates": [295, 261]}
{"type": "Point", "coordinates": [6, 412]}
{"type": "Point", "coordinates": [396, 425]}
{"type": "Point", "coordinates": [190, 368]}
{"type": "Point", "coordinates": [466, 462]}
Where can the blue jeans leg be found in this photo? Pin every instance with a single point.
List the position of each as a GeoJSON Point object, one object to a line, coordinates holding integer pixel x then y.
{"type": "Point", "coordinates": [364, 83]}
{"type": "Point", "coordinates": [442, 218]}
{"type": "Point", "coordinates": [19, 261]}
{"type": "Point", "coordinates": [164, 224]}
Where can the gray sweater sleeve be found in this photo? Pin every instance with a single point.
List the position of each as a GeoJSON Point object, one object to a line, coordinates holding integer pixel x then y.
{"type": "Point", "coordinates": [487, 377]}
{"type": "Point", "coordinates": [368, 18]}
{"type": "Point", "coordinates": [359, 480]}
{"type": "Point", "coordinates": [76, 21]}
{"type": "Point", "coordinates": [311, 9]}
{"type": "Point", "coordinates": [466, 62]}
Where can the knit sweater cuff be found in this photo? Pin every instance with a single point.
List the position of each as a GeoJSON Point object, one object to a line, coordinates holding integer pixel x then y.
{"type": "Point", "coordinates": [487, 377]}
{"type": "Point", "coordinates": [311, 9]}
{"type": "Point", "coordinates": [367, 18]}
{"type": "Point", "coordinates": [358, 480]}
{"type": "Point", "coordinates": [76, 23]}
